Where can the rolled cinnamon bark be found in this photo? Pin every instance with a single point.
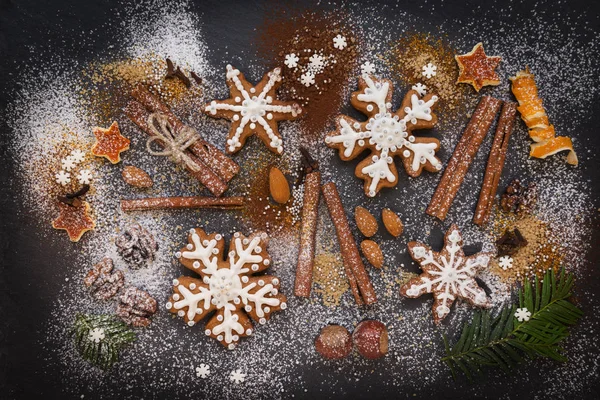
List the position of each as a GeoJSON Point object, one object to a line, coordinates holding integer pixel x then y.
{"type": "Point", "coordinates": [138, 114]}
{"type": "Point", "coordinates": [306, 254]}
{"type": "Point", "coordinates": [355, 269]}
{"type": "Point", "coordinates": [217, 161]}
{"type": "Point", "coordinates": [462, 157]}
{"type": "Point", "coordinates": [175, 203]}
{"type": "Point", "coordinates": [495, 164]}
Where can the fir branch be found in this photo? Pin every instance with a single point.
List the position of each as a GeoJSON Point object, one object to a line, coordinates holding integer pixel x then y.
{"type": "Point", "coordinates": [105, 352]}
{"type": "Point", "coordinates": [503, 341]}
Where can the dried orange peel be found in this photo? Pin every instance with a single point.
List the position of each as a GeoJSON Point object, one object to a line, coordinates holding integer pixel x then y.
{"type": "Point", "coordinates": [535, 117]}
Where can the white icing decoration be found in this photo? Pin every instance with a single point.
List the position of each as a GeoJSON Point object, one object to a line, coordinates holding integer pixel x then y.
{"type": "Point", "coordinates": [522, 314]}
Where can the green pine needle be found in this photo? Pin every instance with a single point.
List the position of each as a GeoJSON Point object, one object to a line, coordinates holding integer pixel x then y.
{"type": "Point", "coordinates": [502, 341]}
{"type": "Point", "coordinates": [116, 336]}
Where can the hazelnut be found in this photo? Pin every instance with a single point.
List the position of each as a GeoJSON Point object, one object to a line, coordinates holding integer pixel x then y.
{"type": "Point", "coordinates": [371, 339]}
{"type": "Point", "coordinates": [334, 342]}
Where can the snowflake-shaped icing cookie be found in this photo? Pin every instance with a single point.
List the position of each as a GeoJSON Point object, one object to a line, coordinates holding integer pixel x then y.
{"type": "Point", "coordinates": [96, 335]}
{"type": "Point", "coordinates": [429, 70]}
{"type": "Point", "coordinates": [84, 176]}
{"type": "Point", "coordinates": [203, 371]}
{"type": "Point", "coordinates": [63, 177]}
{"type": "Point", "coordinates": [307, 79]}
{"type": "Point", "coordinates": [367, 68]}
{"type": "Point", "coordinates": [386, 134]}
{"type": "Point", "coordinates": [78, 156]}
{"type": "Point", "coordinates": [420, 88]}
{"type": "Point", "coordinates": [291, 60]}
{"type": "Point", "coordinates": [253, 110]}
{"type": "Point", "coordinates": [447, 274]}
{"type": "Point", "coordinates": [227, 287]}
{"type": "Point", "coordinates": [505, 262]}
{"type": "Point", "coordinates": [68, 163]}
{"type": "Point", "coordinates": [237, 376]}
{"type": "Point", "coordinates": [522, 314]}
{"type": "Point", "coordinates": [339, 42]}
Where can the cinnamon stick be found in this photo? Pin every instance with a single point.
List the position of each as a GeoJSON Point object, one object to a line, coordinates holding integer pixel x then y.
{"type": "Point", "coordinates": [462, 157]}
{"type": "Point", "coordinates": [360, 282]}
{"type": "Point", "coordinates": [306, 254]}
{"type": "Point", "coordinates": [216, 160]}
{"type": "Point", "coordinates": [495, 164]}
{"type": "Point", "coordinates": [175, 203]}
{"type": "Point", "coordinates": [138, 114]}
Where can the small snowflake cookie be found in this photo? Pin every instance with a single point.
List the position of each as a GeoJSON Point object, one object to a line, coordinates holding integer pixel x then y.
{"type": "Point", "coordinates": [227, 287]}
{"type": "Point", "coordinates": [237, 376]}
{"type": "Point", "coordinates": [253, 110]}
{"type": "Point", "coordinates": [522, 314]}
{"type": "Point", "coordinates": [339, 42]}
{"type": "Point", "coordinates": [386, 134]}
{"type": "Point", "coordinates": [429, 70]}
{"type": "Point", "coordinates": [447, 274]}
{"type": "Point", "coordinates": [203, 371]}
{"type": "Point", "coordinates": [291, 60]}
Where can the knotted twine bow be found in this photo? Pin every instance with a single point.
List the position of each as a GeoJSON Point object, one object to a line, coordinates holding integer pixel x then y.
{"type": "Point", "coordinates": [175, 143]}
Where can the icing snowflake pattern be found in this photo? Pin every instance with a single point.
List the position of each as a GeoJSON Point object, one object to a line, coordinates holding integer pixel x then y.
{"type": "Point", "coordinates": [77, 156]}
{"type": "Point", "coordinates": [522, 314]}
{"type": "Point", "coordinates": [387, 134]}
{"type": "Point", "coordinates": [227, 287]}
{"type": "Point", "coordinates": [68, 163]}
{"type": "Point", "coordinates": [448, 274]}
{"type": "Point", "coordinates": [253, 107]}
{"type": "Point", "coordinates": [339, 42]}
{"type": "Point", "coordinates": [291, 60]}
{"type": "Point", "coordinates": [367, 68]}
{"type": "Point", "coordinates": [84, 177]}
{"type": "Point", "coordinates": [505, 262]}
{"type": "Point", "coordinates": [96, 335]}
{"type": "Point", "coordinates": [429, 70]}
{"type": "Point", "coordinates": [237, 376]}
{"type": "Point", "coordinates": [203, 371]}
{"type": "Point", "coordinates": [307, 79]}
{"type": "Point", "coordinates": [63, 177]}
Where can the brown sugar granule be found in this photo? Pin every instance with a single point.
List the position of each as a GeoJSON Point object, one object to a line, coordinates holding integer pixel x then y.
{"type": "Point", "coordinates": [542, 252]}
{"type": "Point", "coordinates": [307, 34]}
{"type": "Point", "coordinates": [329, 278]}
{"type": "Point", "coordinates": [406, 59]}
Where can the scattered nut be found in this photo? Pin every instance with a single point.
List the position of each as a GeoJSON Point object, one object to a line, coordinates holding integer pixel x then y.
{"type": "Point", "coordinates": [372, 252]}
{"type": "Point", "coordinates": [366, 222]}
{"type": "Point", "coordinates": [279, 186]}
{"type": "Point", "coordinates": [392, 222]}
{"type": "Point", "coordinates": [334, 342]}
{"type": "Point", "coordinates": [136, 177]}
{"type": "Point", "coordinates": [371, 339]}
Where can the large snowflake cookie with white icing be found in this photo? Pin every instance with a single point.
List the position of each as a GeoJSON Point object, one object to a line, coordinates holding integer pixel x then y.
{"type": "Point", "coordinates": [386, 134]}
{"type": "Point", "coordinates": [227, 287]}
{"type": "Point", "coordinates": [447, 274]}
{"type": "Point", "coordinates": [253, 110]}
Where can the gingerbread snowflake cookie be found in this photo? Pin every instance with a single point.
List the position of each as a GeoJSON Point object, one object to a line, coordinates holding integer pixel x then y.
{"type": "Point", "coordinates": [448, 274]}
{"type": "Point", "coordinates": [253, 110]}
{"type": "Point", "coordinates": [386, 134]}
{"type": "Point", "coordinates": [227, 286]}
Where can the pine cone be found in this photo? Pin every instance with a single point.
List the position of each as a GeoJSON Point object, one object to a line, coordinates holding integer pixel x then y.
{"type": "Point", "coordinates": [103, 282]}
{"type": "Point", "coordinates": [137, 246]}
{"type": "Point", "coordinates": [135, 307]}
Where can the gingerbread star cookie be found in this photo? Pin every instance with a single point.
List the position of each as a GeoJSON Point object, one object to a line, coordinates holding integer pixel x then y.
{"type": "Point", "coordinates": [74, 219]}
{"type": "Point", "coordinates": [447, 274]}
{"type": "Point", "coordinates": [253, 110]}
{"type": "Point", "coordinates": [478, 69]}
{"type": "Point", "coordinates": [110, 143]}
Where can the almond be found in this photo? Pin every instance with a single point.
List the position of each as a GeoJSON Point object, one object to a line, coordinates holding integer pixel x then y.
{"type": "Point", "coordinates": [372, 253]}
{"type": "Point", "coordinates": [392, 222]}
{"type": "Point", "coordinates": [366, 222]}
{"type": "Point", "coordinates": [137, 177]}
{"type": "Point", "coordinates": [278, 186]}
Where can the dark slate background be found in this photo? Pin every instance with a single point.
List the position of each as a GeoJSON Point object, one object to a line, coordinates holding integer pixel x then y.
{"type": "Point", "coordinates": [29, 26]}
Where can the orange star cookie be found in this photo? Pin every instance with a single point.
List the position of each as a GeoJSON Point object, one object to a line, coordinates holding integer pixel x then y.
{"type": "Point", "coordinates": [110, 143]}
{"type": "Point", "coordinates": [74, 219]}
{"type": "Point", "coordinates": [478, 69]}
